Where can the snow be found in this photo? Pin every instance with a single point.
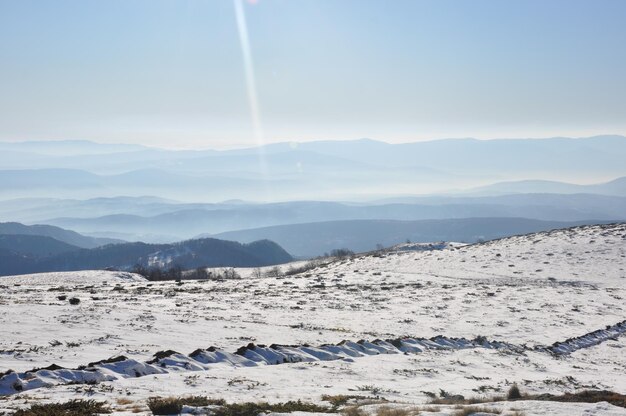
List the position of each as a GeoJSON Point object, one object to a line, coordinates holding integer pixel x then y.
{"type": "Point", "coordinates": [83, 277]}
{"type": "Point", "coordinates": [417, 315]}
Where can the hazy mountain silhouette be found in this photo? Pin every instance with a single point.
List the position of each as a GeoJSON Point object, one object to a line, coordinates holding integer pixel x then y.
{"type": "Point", "coordinates": [34, 245]}
{"type": "Point", "coordinates": [35, 254]}
{"type": "Point", "coordinates": [616, 187]}
{"type": "Point", "coordinates": [71, 238]}
{"type": "Point", "coordinates": [314, 170]}
{"type": "Point", "coordinates": [314, 239]}
{"type": "Point", "coordinates": [193, 220]}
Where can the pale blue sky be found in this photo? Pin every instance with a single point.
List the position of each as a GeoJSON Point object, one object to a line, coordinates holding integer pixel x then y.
{"type": "Point", "coordinates": [171, 72]}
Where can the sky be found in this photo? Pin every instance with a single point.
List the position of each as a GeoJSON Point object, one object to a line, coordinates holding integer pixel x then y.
{"type": "Point", "coordinates": [195, 74]}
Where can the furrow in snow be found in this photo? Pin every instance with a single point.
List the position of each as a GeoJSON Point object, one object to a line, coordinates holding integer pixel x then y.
{"type": "Point", "coordinates": [257, 355]}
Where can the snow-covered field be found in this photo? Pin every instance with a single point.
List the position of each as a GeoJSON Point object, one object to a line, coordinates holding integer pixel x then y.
{"type": "Point", "coordinates": [498, 308]}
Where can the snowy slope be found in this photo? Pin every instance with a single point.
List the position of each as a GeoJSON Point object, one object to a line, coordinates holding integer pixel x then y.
{"type": "Point", "coordinates": [76, 278]}
{"type": "Point", "coordinates": [518, 295]}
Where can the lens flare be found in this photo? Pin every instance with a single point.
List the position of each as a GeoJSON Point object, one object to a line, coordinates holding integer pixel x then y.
{"type": "Point", "coordinates": [253, 100]}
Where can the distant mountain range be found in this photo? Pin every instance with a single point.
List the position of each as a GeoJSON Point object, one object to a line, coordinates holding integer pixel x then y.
{"type": "Point", "coordinates": [173, 195]}
{"type": "Point", "coordinates": [21, 253]}
{"type": "Point", "coordinates": [308, 240]}
{"type": "Point", "coordinates": [616, 187]}
{"type": "Point", "coordinates": [177, 221]}
{"type": "Point", "coordinates": [337, 170]}
{"type": "Point", "coordinates": [70, 238]}
{"type": "Point", "coordinates": [32, 253]}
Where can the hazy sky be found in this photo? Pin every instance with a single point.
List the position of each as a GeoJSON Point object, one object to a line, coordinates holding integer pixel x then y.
{"type": "Point", "coordinates": [171, 73]}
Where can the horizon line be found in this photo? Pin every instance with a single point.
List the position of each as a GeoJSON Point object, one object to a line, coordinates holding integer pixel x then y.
{"type": "Point", "coordinates": [295, 143]}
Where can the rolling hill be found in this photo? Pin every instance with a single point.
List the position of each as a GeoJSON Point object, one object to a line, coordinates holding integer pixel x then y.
{"type": "Point", "coordinates": [183, 221]}
{"type": "Point", "coordinates": [206, 252]}
{"type": "Point", "coordinates": [34, 245]}
{"type": "Point", "coordinates": [314, 239]}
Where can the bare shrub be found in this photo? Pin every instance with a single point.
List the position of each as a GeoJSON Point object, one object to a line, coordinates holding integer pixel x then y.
{"type": "Point", "coordinates": [514, 393]}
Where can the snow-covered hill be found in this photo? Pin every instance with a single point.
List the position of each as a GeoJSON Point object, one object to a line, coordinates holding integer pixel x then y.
{"type": "Point", "coordinates": [469, 320]}
{"type": "Point", "coordinates": [84, 277]}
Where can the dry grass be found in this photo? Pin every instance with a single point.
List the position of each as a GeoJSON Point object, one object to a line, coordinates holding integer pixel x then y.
{"type": "Point", "coordinates": [353, 411]}
{"type": "Point", "coordinates": [470, 410]}
{"type": "Point", "coordinates": [173, 405]}
{"type": "Point", "coordinates": [396, 411]}
{"type": "Point", "coordinates": [129, 405]}
{"type": "Point", "coordinates": [136, 409]}
{"type": "Point", "coordinates": [382, 411]}
{"type": "Point", "coordinates": [71, 408]}
{"type": "Point", "coordinates": [472, 400]}
{"type": "Point", "coordinates": [338, 400]}
{"type": "Point", "coordinates": [165, 406]}
{"type": "Point", "coordinates": [431, 409]}
{"type": "Point", "coordinates": [584, 396]}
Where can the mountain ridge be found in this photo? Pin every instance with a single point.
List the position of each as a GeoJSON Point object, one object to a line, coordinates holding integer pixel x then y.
{"type": "Point", "coordinates": [205, 252]}
{"type": "Point", "coordinates": [366, 235]}
{"type": "Point", "coordinates": [315, 169]}
{"type": "Point", "coordinates": [66, 236]}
